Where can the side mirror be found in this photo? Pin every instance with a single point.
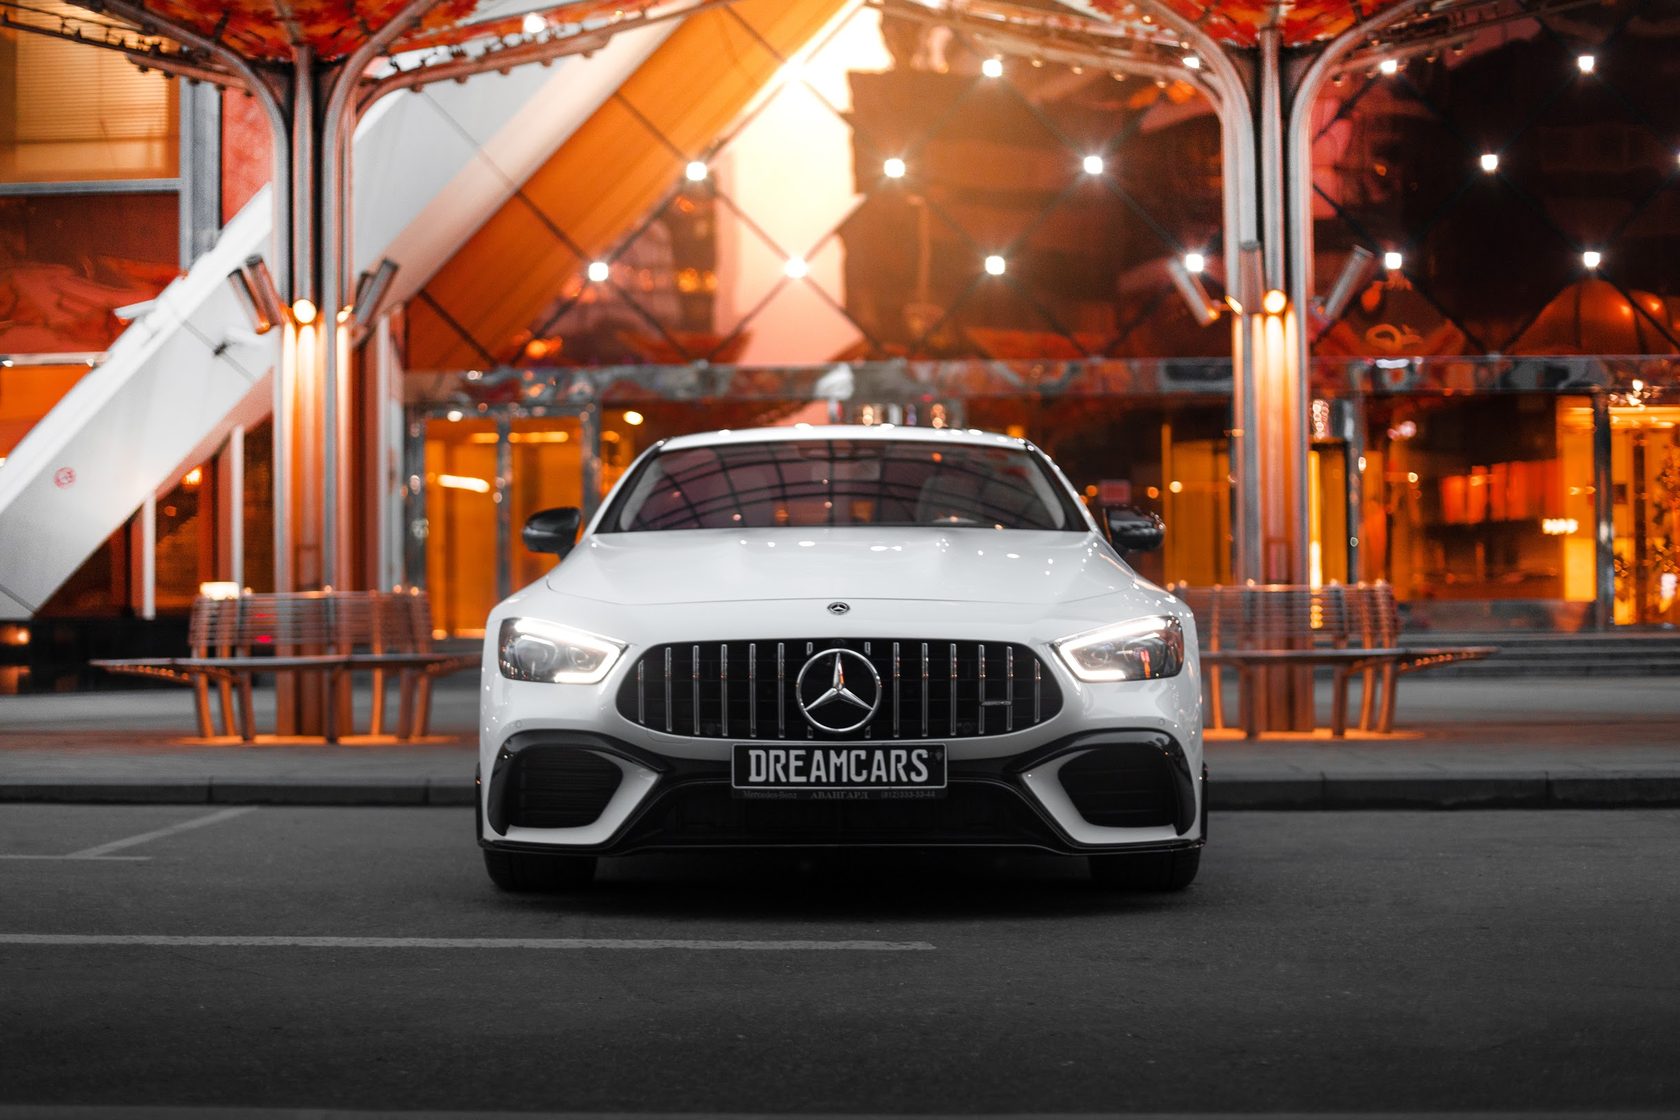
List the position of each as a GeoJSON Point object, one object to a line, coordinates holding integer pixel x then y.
{"type": "Point", "coordinates": [552, 530]}
{"type": "Point", "coordinates": [1133, 530]}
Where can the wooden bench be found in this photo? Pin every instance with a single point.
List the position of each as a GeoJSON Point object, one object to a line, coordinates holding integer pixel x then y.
{"type": "Point", "coordinates": [1354, 629]}
{"type": "Point", "coordinates": [326, 633]}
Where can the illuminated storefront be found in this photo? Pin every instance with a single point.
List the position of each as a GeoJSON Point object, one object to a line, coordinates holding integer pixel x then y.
{"type": "Point", "coordinates": [1494, 494]}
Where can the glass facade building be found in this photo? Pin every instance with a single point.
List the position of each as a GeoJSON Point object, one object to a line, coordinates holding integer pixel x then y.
{"type": "Point", "coordinates": [870, 219]}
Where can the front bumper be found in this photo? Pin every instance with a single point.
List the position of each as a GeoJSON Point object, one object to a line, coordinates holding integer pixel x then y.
{"type": "Point", "coordinates": [1092, 792]}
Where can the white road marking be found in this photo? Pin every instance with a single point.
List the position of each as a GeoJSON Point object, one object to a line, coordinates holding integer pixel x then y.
{"type": "Point", "coordinates": [89, 859]}
{"type": "Point", "coordinates": [215, 942]}
{"type": "Point", "coordinates": [158, 1112]}
{"type": "Point", "coordinates": [158, 834]}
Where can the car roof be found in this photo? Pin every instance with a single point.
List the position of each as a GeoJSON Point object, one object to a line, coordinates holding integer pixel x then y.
{"type": "Point", "coordinates": [875, 433]}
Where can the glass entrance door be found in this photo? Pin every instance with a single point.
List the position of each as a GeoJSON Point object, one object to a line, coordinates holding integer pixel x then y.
{"type": "Point", "coordinates": [547, 470]}
{"type": "Point", "coordinates": [1645, 477]}
{"type": "Point", "coordinates": [483, 478]}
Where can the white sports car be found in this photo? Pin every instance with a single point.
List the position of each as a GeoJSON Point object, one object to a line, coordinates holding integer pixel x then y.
{"type": "Point", "coordinates": [841, 637]}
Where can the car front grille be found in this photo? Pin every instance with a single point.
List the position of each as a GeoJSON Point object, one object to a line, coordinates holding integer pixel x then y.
{"type": "Point", "coordinates": [930, 689]}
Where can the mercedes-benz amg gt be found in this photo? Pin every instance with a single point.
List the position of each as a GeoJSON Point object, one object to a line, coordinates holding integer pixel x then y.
{"type": "Point", "coordinates": [841, 637]}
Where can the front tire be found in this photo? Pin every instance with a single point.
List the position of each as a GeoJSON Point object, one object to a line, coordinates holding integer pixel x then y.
{"type": "Point", "coordinates": [532, 872]}
{"type": "Point", "coordinates": [1147, 871]}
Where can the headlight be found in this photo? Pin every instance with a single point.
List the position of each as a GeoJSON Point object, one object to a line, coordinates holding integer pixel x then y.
{"type": "Point", "coordinates": [529, 649]}
{"type": "Point", "coordinates": [1140, 650]}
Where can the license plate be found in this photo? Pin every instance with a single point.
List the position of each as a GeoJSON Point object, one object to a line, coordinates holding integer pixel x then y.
{"type": "Point", "coordinates": [836, 771]}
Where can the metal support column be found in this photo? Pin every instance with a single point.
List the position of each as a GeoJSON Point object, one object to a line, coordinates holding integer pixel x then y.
{"type": "Point", "coordinates": [1353, 450]}
{"type": "Point", "coordinates": [416, 527]}
{"type": "Point", "coordinates": [1604, 515]}
{"type": "Point", "coordinates": [389, 485]}
{"type": "Point", "coordinates": [231, 492]}
{"type": "Point", "coordinates": [148, 557]}
{"type": "Point", "coordinates": [335, 241]}
{"type": "Point", "coordinates": [503, 497]}
{"type": "Point", "coordinates": [589, 430]}
{"type": "Point", "coordinates": [1269, 148]}
{"type": "Point", "coordinates": [201, 170]}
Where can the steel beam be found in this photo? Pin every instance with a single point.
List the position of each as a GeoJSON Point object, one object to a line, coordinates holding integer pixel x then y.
{"type": "Point", "coordinates": [338, 125]}
{"type": "Point", "coordinates": [1604, 515]}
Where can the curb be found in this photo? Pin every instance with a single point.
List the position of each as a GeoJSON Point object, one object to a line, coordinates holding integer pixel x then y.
{"type": "Point", "coordinates": [210, 791]}
{"type": "Point", "coordinates": [1320, 792]}
{"type": "Point", "coordinates": [1324, 792]}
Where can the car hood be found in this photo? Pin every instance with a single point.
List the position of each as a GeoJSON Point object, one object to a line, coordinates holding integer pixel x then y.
{"type": "Point", "coordinates": [951, 565]}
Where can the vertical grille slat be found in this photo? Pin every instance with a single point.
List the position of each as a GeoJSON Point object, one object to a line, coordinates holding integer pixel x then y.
{"type": "Point", "coordinates": [953, 688]}
{"type": "Point", "coordinates": [925, 707]}
{"type": "Point", "coordinates": [1009, 688]}
{"type": "Point", "coordinates": [708, 705]}
{"type": "Point", "coordinates": [895, 690]}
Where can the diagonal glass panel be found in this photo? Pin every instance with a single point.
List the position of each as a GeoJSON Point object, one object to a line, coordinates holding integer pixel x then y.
{"type": "Point", "coordinates": [1591, 161]}
{"type": "Point", "coordinates": [1493, 262]}
{"type": "Point", "coordinates": [1394, 168]}
{"type": "Point", "coordinates": [999, 318]}
{"type": "Point", "coordinates": [855, 45]}
{"type": "Point", "coordinates": [1164, 186]}
{"type": "Point", "coordinates": [1096, 272]}
{"type": "Point", "coordinates": [903, 267]}
{"type": "Point", "coordinates": [797, 325]}
{"type": "Point", "coordinates": [994, 167]}
{"type": "Point", "coordinates": [1636, 64]}
{"type": "Point", "coordinates": [749, 268]}
{"type": "Point", "coordinates": [658, 295]}
{"type": "Point", "coordinates": [1152, 321]}
{"type": "Point", "coordinates": [1642, 257]}
{"type": "Point", "coordinates": [790, 169]}
{"type": "Point", "coordinates": [1395, 316]}
{"type": "Point", "coordinates": [1495, 94]}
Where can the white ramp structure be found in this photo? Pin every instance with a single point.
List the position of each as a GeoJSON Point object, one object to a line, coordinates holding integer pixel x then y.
{"type": "Point", "coordinates": [429, 167]}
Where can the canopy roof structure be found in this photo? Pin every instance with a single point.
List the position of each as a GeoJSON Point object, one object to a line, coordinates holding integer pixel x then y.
{"type": "Point", "coordinates": [1304, 21]}
{"type": "Point", "coordinates": [396, 40]}
{"type": "Point", "coordinates": [427, 40]}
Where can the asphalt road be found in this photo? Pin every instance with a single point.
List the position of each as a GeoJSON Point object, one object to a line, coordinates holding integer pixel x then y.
{"type": "Point", "coordinates": [1356, 963]}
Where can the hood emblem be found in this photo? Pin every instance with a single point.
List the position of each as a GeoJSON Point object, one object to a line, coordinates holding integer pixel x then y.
{"type": "Point", "coordinates": [839, 608]}
{"type": "Point", "coordinates": [838, 691]}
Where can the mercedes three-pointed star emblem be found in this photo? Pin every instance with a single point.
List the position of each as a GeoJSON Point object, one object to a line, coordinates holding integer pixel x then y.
{"type": "Point", "coordinates": [833, 707]}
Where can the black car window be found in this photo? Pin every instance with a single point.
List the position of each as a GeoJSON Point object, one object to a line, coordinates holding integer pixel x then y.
{"type": "Point", "coordinates": [803, 483]}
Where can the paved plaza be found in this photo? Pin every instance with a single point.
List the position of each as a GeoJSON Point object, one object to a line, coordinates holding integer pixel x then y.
{"type": "Point", "coordinates": [1459, 742]}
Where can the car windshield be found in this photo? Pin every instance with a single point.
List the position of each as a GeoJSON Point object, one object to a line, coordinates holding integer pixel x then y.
{"type": "Point", "coordinates": [804, 483]}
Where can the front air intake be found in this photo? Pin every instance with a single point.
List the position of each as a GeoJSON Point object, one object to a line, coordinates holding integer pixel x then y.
{"type": "Point", "coordinates": [1127, 785]}
{"type": "Point", "coordinates": [559, 787]}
